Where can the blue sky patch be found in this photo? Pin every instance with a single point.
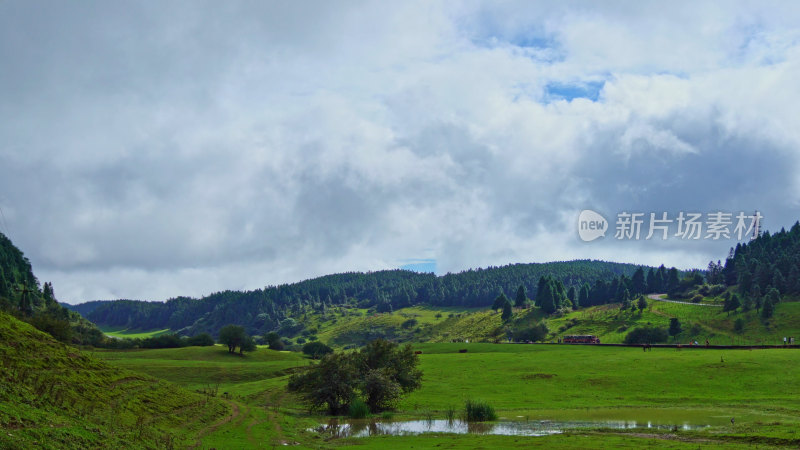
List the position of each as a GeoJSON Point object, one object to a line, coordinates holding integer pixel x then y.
{"type": "Point", "coordinates": [421, 265]}
{"type": "Point", "coordinates": [570, 91]}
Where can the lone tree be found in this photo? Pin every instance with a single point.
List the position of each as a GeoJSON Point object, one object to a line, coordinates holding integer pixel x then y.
{"type": "Point", "coordinates": [234, 336]}
{"type": "Point", "coordinates": [674, 327]}
{"type": "Point", "coordinates": [379, 373]}
{"type": "Point", "coordinates": [274, 341]}
{"type": "Point", "coordinates": [642, 303]}
{"type": "Point", "coordinates": [331, 383]}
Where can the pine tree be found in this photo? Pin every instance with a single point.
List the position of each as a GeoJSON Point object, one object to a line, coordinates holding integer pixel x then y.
{"type": "Point", "coordinates": [638, 282]}
{"type": "Point", "coordinates": [642, 303]}
{"type": "Point", "coordinates": [672, 280]}
{"type": "Point", "coordinates": [748, 303]}
{"type": "Point", "coordinates": [507, 312]}
{"type": "Point", "coordinates": [547, 299]}
{"type": "Point", "coordinates": [674, 327]}
{"type": "Point", "coordinates": [651, 282]}
{"type": "Point", "coordinates": [522, 297]}
{"type": "Point", "coordinates": [499, 301]}
{"type": "Point", "coordinates": [626, 300]}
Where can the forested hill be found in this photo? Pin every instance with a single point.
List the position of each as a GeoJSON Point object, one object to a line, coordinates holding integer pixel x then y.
{"type": "Point", "coordinates": [261, 310]}
{"type": "Point", "coordinates": [772, 261]}
{"type": "Point", "coordinates": [23, 297]}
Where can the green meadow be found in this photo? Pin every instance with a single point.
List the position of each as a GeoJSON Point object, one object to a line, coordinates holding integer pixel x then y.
{"type": "Point", "coordinates": [760, 388]}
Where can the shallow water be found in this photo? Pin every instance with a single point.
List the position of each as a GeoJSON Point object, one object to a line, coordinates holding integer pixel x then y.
{"type": "Point", "coordinates": [364, 428]}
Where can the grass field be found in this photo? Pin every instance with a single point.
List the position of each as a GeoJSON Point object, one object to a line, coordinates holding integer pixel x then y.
{"type": "Point", "coordinates": [122, 332]}
{"type": "Point", "coordinates": [555, 382]}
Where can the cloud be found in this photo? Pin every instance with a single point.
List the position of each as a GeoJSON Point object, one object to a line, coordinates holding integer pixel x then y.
{"type": "Point", "coordinates": [152, 151]}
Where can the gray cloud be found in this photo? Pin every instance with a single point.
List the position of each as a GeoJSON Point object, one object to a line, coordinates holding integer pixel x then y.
{"type": "Point", "coordinates": [151, 150]}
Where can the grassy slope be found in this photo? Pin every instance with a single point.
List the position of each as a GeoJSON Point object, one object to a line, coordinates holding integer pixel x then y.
{"type": "Point", "coordinates": [699, 323]}
{"type": "Point", "coordinates": [55, 396]}
{"type": "Point", "coordinates": [253, 384]}
{"type": "Point", "coordinates": [122, 332]}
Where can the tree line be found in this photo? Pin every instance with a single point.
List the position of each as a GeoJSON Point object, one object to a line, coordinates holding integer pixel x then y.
{"type": "Point", "coordinates": [263, 310]}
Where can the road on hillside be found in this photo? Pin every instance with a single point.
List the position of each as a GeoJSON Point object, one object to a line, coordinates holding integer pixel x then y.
{"type": "Point", "coordinates": [656, 297]}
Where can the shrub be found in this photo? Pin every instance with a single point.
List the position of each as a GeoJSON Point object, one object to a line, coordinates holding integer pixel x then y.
{"type": "Point", "coordinates": [646, 335]}
{"type": "Point", "coordinates": [316, 349]}
{"type": "Point", "coordinates": [408, 324]}
{"type": "Point", "coordinates": [358, 409]}
{"type": "Point", "coordinates": [201, 340]}
{"type": "Point", "coordinates": [697, 298]}
{"type": "Point", "coordinates": [478, 411]}
{"type": "Point", "coordinates": [274, 341]}
{"type": "Point", "coordinates": [533, 334]}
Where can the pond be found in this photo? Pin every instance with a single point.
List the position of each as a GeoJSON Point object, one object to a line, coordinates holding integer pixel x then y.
{"type": "Point", "coordinates": [365, 428]}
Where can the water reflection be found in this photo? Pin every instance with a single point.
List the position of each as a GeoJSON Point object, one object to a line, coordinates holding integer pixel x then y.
{"type": "Point", "coordinates": [364, 428]}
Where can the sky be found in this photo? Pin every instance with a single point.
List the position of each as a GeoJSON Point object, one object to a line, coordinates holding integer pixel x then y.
{"type": "Point", "coordinates": [156, 149]}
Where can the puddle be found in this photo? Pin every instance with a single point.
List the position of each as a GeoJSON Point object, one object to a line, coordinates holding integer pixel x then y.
{"type": "Point", "coordinates": [365, 428]}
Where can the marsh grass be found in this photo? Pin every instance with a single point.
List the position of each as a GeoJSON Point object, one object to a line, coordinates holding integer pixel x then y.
{"type": "Point", "coordinates": [478, 411]}
{"type": "Point", "coordinates": [358, 409]}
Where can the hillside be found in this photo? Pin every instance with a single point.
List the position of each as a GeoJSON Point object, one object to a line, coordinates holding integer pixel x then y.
{"type": "Point", "coordinates": [22, 296]}
{"type": "Point", "coordinates": [55, 396]}
{"type": "Point", "coordinates": [262, 310]}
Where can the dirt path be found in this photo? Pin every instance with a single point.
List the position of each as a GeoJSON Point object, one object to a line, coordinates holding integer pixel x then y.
{"type": "Point", "coordinates": [657, 298]}
{"type": "Point", "coordinates": [232, 416]}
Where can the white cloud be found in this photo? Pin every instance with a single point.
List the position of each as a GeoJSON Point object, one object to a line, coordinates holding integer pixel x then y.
{"type": "Point", "coordinates": [148, 152]}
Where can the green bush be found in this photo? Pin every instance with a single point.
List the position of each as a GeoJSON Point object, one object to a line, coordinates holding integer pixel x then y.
{"type": "Point", "coordinates": [358, 409]}
{"type": "Point", "coordinates": [647, 335]}
{"type": "Point", "coordinates": [408, 324]}
{"type": "Point", "coordinates": [478, 411]}
{"type": "Point", "coordinates": [201, 340]}
{"type": "Point", "coordinates": [316, 349]}
{"type": "Point", "coordinates": [534, 333]}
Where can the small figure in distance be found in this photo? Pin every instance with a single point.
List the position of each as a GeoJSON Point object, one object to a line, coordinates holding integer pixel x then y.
{"type": "Point", "coordinates": [733, 421]}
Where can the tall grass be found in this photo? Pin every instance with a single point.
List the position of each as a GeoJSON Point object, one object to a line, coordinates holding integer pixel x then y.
{"type": "Point", "coordinates": [450, 413]}
{"type": "Point", "coordinates": [478, 411]}
{"type": "Point", "coordinates": [358, 409]}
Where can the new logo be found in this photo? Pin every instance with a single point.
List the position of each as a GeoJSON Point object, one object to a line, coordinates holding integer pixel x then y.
{"type": "Point", "coordinates": [591, 225]}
